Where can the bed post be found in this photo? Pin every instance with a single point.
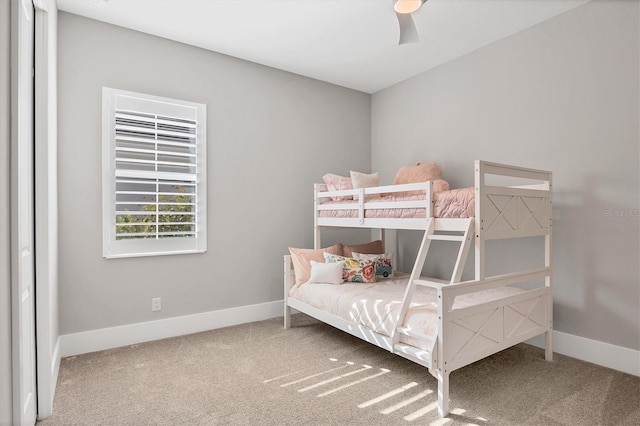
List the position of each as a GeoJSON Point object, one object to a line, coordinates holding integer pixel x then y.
{"type": "Point", "coordinates": [287, 316]}
{"type": "Point", "coordinates": [548, 336]}
{"type": "Point", "coordinates": [442, 372]}
{"type": "Point", "coordinates": [288, 283]}
{"type": "Point", "coordinates": [479, 246]}
{"type": "Point", "coordinates": [316, 238]}
{"type": "Point", "coordinates": [381, 237]}
{"type": "Point", "coordinates": [443, 393]}
{"type": "Point", "coordinates": [316, 230]}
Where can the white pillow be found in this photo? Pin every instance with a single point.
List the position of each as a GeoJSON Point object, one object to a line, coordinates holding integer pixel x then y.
{"type": "Point", "coordinates": [326, 273]}
{"type": "Point", "coordinates": [363, 180]}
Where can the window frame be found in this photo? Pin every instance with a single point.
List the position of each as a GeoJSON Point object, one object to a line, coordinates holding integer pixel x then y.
{"type": "Point", "coordinates": [138, 247]}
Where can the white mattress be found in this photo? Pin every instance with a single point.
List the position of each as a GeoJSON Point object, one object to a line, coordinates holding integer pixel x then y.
{"type": "Point", "coordinates": [377, 306]}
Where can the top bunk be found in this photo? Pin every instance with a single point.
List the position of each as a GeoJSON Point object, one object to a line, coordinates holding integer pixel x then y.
{"type": "Point", "coordinates": [506, 202]}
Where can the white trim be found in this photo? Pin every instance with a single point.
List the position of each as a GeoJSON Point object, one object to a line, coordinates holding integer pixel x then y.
{"type": "Point", "coordinates": [46, 204]}
{"type": "Point", "coordinates": [114, 101]}
{"type": "Point", "coordinates": [593, 351]}
{"type": "Point", "coordinates": [6, 402]}
{"type": "Point", "coordinates": [22, 214]}
{"type": "Point", "coordinates": [113, 337]}
{"type": "Point", "coordinates": [600, 353]}
{"type": "Point", "coordinates": [55, 367]}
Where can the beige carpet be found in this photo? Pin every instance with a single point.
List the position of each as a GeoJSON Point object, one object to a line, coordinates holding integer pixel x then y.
{"type": "Point", "coordinates": [313, 374]}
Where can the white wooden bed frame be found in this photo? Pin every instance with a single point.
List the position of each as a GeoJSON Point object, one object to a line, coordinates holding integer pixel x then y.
{"type": "Point", "coordinates": [469, 334]}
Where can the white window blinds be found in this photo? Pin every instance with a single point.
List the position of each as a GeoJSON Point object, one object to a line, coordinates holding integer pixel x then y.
{"type": "Point", "coordinates": [154, 156]}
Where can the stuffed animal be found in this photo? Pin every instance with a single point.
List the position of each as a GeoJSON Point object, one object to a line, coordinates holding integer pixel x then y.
{"type": "Point", "coordinates": [421, 172]}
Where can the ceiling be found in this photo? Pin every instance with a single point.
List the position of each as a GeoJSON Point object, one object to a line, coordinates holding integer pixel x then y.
{"type": "Point", "coordinates": [351, 43]}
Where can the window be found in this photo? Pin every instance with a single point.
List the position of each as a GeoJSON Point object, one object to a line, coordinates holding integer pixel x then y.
{"type": "Point", "coordinates": [154, 175]}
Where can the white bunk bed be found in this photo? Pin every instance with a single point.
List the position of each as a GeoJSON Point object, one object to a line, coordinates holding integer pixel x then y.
{"type": "Point", "coordinates": [472, 332]}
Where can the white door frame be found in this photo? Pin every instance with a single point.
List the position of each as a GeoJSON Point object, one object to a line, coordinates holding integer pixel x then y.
{"type": "Point", "coordinates": [6, 404]}
{"type": "Point", "coordinates": [22, 215]}
{"type": "Point", "coordinates": [46, 204]}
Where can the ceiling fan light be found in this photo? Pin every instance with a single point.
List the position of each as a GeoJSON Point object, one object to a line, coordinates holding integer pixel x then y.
{"type": "Point", "coordinates": [408, 31]}
{"type": "Point", "coordinates": [407, 6]}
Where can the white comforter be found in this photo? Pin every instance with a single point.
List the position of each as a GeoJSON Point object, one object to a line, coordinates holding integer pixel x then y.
{"type": "Point", "coordinates": [377, 306]}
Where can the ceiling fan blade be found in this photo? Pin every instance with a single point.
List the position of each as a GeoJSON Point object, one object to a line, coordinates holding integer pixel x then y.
{"type": "Point", "coordinates": [408, 31]}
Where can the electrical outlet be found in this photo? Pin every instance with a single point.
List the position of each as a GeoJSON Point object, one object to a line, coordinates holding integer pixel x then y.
{"type": "Point", "coordinates": [156, 304]}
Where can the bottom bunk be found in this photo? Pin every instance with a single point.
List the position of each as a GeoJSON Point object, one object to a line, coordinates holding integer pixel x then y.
{"type": "Point", "coordinates": [446, 327]}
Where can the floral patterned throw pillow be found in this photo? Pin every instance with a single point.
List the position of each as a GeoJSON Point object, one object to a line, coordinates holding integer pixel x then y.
{"type": "Point", "coordinates": [382, 262]}
{"type": "Point", "coordinates": [354, 270]}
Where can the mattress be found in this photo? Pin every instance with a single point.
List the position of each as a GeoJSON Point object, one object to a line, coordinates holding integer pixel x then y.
{"type": "Point", "coordinates": [455, 203]}
{"type": "Point", "coordinates": [377, 306]}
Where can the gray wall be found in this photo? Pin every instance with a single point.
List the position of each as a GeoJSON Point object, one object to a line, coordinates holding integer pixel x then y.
{"type": "Point", "coordinates": [271, 135]}
{"type": "Point", "coordinates": [5, 190]}
{"type": "Point", "coordinates": [561, 96]}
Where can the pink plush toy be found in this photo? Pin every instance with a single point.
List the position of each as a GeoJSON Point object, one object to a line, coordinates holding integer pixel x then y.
{"type": "Point", "coordinates": [421, 172]}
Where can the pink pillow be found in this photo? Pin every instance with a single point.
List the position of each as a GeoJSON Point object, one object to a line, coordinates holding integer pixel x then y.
{"type": "Point", "coordinates": [374, 247]}
{"type": "Point", "coordinates": [338, 183]}
{"type": "Point", "coordinates": [421, 172]}
{"type": "Point", "coordinates": [301, 259]}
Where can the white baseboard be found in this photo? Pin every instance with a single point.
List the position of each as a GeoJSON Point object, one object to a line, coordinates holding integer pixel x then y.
{"type": "Point", "coordinates": [593, 351]}
{"type": "Point", "coordinates": [600, 353]}
{"type": "Point", "coordinates": [113, 337]}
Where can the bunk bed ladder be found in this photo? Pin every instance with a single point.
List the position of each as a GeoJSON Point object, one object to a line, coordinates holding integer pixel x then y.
{"type": "Point", "coordinates": [414, 279]}
{"type": "Point", "coordinates": [415, 274]}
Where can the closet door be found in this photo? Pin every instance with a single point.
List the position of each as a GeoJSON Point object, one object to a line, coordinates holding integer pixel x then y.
{"type": "Point", "coordinates": [6, 410]}
{"type": "Point", "coordinates": [22, 214]}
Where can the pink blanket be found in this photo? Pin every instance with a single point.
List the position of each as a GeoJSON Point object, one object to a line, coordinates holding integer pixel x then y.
{"type": "Point", "coordinates": [455, 203]}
